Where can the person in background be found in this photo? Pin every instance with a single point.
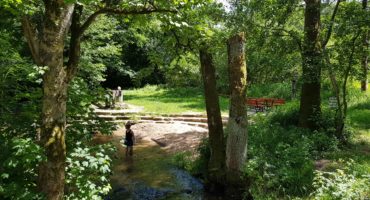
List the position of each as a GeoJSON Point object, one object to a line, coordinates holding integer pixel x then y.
{"type": "Point", "coordinates": [119, 94]}
{"type": "Point", "coordinates": [129, 139]}
{"type": "Point", "coordinates": [107, 99]}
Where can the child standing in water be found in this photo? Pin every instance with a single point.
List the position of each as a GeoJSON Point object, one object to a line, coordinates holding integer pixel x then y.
{"type": "Point", "coordinates": [129, 139]}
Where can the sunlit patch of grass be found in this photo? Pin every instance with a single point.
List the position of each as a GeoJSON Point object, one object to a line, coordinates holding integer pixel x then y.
{"type": "Point", "coordinates": [170, 100]}
{"type": "Point", "coordinates": [358, 150]}
{"type": "Point", "coordinates": [360, 118]}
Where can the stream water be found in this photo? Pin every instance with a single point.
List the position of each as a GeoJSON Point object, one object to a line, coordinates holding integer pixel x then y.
{"type": "Point", "coordinates": [149, 175]}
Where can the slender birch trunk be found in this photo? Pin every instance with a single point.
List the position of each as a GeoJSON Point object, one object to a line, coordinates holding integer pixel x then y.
{"type": "Point", "coordinates": [365, 56]}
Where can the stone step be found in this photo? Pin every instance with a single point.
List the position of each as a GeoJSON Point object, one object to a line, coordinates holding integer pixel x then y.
{"type": "Point", "coordinates": [165, 119]}
{"type": "Point", "coordinates": [133, 112]}
{"type": "Point", "coordinates": [115, 112]}
{"type": "Point", "coordinates": [190, 119]}
{"type": "Point", "coordinates": [108, 117]}
{"type": "Point", "coordinates": [198, 124]}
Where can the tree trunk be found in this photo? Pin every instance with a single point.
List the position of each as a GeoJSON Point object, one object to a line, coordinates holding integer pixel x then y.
{"type": "Point", "coordinates": [47, 51]}
{"type": "Point", "coordinates": [216, 164]}
{"type": "Point", "coordinates": [236, 149]}
{"type": "Point", "coordinates": [52, 171]}
{"type": "Point", "coordinates": [310, 110]}
{"type": "Point", "coordinates": [339, 120]}
{"type": "Point", "coordinates": [342, 138]}
{"type": "Point", "coordinates": [365, 57]}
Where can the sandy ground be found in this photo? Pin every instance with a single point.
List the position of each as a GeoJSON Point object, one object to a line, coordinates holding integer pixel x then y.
{"type": "Point", "coordinates": [171, 137]}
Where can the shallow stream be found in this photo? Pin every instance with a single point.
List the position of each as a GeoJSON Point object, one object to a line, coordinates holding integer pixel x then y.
{"type": "Point", "coordinates": [149, 175]}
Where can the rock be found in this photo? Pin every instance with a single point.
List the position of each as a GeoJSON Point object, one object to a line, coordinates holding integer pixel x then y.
{"type": "Point", "coordinates": [188, 183]}
{"type": "Point", "coordinates": [143, 192]}
{"type": "Point", "coordinates": [139, 191]}
{"type": "Point", "coordinates": [118, 194]}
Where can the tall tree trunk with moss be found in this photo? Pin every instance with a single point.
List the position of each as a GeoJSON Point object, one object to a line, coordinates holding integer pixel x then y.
{"type": "Point", "coordinates": [365, 57]}
{"type": "Point", "coordinates": [47, 50]}
{"type": "Point", "coordinates": [216, 164]}
{"type": "Point", "coordinates": [310, 110]}
{"type": "Point", "coordinates": [47, 47]}
{"type": "Point", "coordinates": [236, 148]}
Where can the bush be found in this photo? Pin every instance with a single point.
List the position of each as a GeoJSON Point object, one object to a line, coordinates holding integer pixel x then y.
{"type": "Point", "coordinates": [182, 160]}
{"type": "Point", "coordinates": [272, 90]}
{"type": "Point", "coordinates": [18, 170]}
{"type": "Point", "coordinates": [281, 154]}
{"type": "Point", "coordinates": [200, 167]}
{"type": "Point", "coordinates": [86, 172]}
{"type": "Point", "coordinates": [279, 160]}
{"type": "Point", "coordinates": [322, 144]}
{"type": "Point", "coordinates": [87, 169]}
{"type": "Point", "coordinates": [342, 184]}
{"type": "Point", "coordinates": [285, 115]}
{"type": "Point", "coordinates": [288, 115]}
{"type": "Point", "coordinates": [197, 166]}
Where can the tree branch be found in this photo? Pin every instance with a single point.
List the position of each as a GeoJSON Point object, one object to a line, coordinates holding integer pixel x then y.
{"type": "Point", "coordinates": [74, 43]}
{"type": "Point", "coordinates": [290, 33]}
{"type": "Point", "coordinates": [347, 71]}
{"type": "Point", "coordinates": [77, 30]}
{"type": "Point", "coordinates": [328, 34]}
{"type": "Point", "coordinates": [30, 33]}
{"type": "Point", "coordinates": [92, 17]}
{"type": "Point", "coordinates": [66, 19]}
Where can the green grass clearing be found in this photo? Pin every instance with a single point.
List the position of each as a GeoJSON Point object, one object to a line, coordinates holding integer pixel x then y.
{"type": "Point", "coordinates": [156, 99]}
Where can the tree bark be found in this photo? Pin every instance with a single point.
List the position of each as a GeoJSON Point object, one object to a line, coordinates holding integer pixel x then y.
{"type": "Point", "coordinates": [74, 43]}
{"type": "Point", "coordinates": [47, 50]}
{"type": "Point", "coordinates": [341, 136]}
{"type": "Point", "coordinates": [52, 171]}
{"type": "Point", "coordinates": [30, 33]}
{"type": "Point", "coordinates": [310, 110]}
{"type": "Point", "coordinates": [236, 149]}
{"type": "Point", "coordinates": [365, 57]}
{"type": "Point", "coordinates": [216, 164]}
{"type": "Point", "coordinates": [339, 120]}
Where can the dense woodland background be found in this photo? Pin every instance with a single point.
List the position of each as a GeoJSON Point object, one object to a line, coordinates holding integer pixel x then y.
{"type": "Point", "coordinates": [59, 57]}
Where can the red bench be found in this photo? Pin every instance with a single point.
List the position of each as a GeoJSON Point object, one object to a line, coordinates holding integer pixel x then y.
{"type": "Point", "coordinates": [279, 102]}
{"type": "Point", "coordinates": [256, 104]}
{"type": "Point", "coordinates": [262, 104]}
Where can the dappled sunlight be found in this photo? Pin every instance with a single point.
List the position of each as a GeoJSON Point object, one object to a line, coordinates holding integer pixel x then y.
{"type": "Point", "coordinates": [56, 135]}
